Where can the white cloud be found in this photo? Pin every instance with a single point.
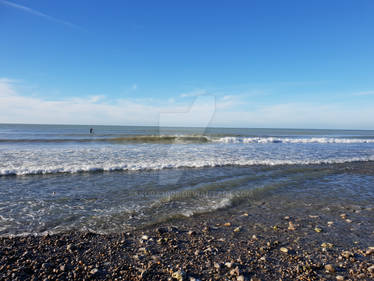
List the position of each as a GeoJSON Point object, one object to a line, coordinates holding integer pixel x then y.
{"type": "Point", "coordinates": [134, 87]}
{"type": "Point", "coordinates": [225, 111]}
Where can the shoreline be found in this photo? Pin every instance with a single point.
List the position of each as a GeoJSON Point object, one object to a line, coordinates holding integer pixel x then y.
{"type": "Point", "coordinates": [260, 241]}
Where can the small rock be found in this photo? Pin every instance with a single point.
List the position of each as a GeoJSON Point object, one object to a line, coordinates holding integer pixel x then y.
{"type": "Point", "coordinates": [62, 267]}
{"type": "Point", "coordinates": [240, 278]}
{"type": "Point", "coordinates": [326, 245]}
{"type": "Point", "coordinates": [206, 229]}
{"type": "Point", "coordinates": [70, 247]}
{"type": "Point", "coordinates": [284, 250]}
{"type": "Point", "coordinates": [255, 279]}
{"type": "Point", "coordinates": [235, 271]}
{"type": "Point", "coordinates": [291, 226]}
{"type": "Point", "coordinates": [313, 216]}
{"type": "Point", "coordinates": [237, 229]}
{"type": "Point", "coordinates": [343, 216]}
{"type": "Point", "coordinates": [192, 232]}
{"type": "Point", "coordinates": [145, 237]}
{"type": "Point", "coordinates": [227, 224]}
{"type": "Point", "coordinates": [318, 229]}
{"type": "Point", "coordinates": [348, 220]}
{"type": "Point", "coordinates": [245, 215]}
{"type": "Point", "coordinates": [228, 264]}
{"type": "Point", "coordinates": [254, 237]}
{"type": "Point", "coordinates": [329, 268]}
{"type": "Point", "coordinates": [94, 271]}
{"type": "Point", "coordinates": [369, 251]}
{"type": "Point", "coordinates": [179, 275]}
{"type": "Point", "coordinates": [371, 269]}
{"type": "Point", "coordinates": [287, 217]}
{"type": "Point", "coordinates": [347, 254]}
{"type": "Point", "coordinates": [339, 277]}
{"type": "Point", "coordinates": [217, 266]}
{"type": "Point", "coordinates": [330, 223]}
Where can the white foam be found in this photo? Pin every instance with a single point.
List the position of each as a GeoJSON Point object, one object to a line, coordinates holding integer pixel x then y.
{"type": "Point", "coordinates": [290, 140]}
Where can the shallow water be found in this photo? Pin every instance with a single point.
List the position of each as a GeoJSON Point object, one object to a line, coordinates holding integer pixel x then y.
{"type": "Point", "coordinates": [126, 177]}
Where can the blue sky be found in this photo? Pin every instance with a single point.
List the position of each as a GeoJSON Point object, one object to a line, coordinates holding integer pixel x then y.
{"type": "Point", "coordinates": [295, 64]}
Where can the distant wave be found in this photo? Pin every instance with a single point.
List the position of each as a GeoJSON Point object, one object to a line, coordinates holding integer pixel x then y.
{"type": "Point", "coordinates": [128, 139]}
{"type": "Point", "coordinates": [186, 139]}
{"type": "Point", "coordinates": [291, 140]}
{"type": "Point", "coordinates": [111, 167]}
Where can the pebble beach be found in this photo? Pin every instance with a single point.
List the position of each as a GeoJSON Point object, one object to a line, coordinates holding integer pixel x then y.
{"type": "Point", "coordinates": [252, 244]}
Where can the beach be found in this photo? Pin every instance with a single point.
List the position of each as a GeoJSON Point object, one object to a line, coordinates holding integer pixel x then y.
{"type": "Point", "coordinates": [132, 203]}
{"type": "Point", "coordinates": [260, 242]}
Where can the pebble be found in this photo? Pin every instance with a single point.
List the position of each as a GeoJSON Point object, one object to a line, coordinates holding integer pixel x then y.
{"type": "Point", "coordinates": [192, 232]}
{"type": "Point", "coordinates": [339, 278]}
{"type": "Point", "coordinates": [291, 226]}
{"type": "Point", "coordinates": [145, 237]}
{"type": "Point", "coordinates": [343, 216]}
{"type": "Point", "coordinates": [227, 224]}
{"type": "Point", "coordinates": [94, 271]}
{"type": "Point", "coordinates": [237, 229]}
{"type": "Point", "coordinates": [217, 265]}
{"type": "Point", "coordinates": [371, 269]}
{"type": "Point", "coordinates": [284, 250]}
{"type": "Point", "coordinates": [318, 229]}
{"type": "Point", "coordinates": [329, 268]}
{"type": "Point", "coordinates": [347, 254]}
{"type": "Point", "coordinates": [228, 264]}
{"type": "Point", "coordinates": [330, 223]}
{"type": "Point", "coordinates": [240, 278]}
{"type": "Point", "coordinates": [235, 271]}
{"type": "Point", "coordinates": [179, 275]}
{"type": "Point", "coordinates": [369, 251]}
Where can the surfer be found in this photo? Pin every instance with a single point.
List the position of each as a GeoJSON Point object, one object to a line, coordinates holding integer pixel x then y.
{"type": "Point", "coordinates": [91, 131]}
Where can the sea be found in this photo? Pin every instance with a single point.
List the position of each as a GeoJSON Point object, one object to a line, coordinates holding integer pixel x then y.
{"type": "Point", "coordinates": [56, 178]}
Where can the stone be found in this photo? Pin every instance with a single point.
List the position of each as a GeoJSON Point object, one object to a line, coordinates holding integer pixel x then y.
{"type": "Point", "coordinates": [369, 251]}
{"type": "Point", "coordinates": [329, 268]}
{"type": "Point", "coordinates": [371, 269]}
{"type": "Point", "coordinates": [228, 264]}
{"type": "Point", "coordinates": [284, 250]}
{"type": "Point", "coordinates": [235, 271]}
{"type": "Point", "coordinates": [330, 223]}
{"type": "Point", "coordinates": [318, 229]}
{"type": "Point", "coordinates": [179, 275]}
{"type": "Point", "coordinates": [94, 271]}
{"type": "Point", "coordinates": [217, 266]}
{"type": "Point", "coordinates": [347, 254]}
{"type": "Point", "coordinates": [240, 278]}
{"type": "Point", "coordinates": [144, 237]}
{"type": "Point", "coordinates": [339, 278]}
{"type": "Point", "coordinates": [291, 226]}
{"type": "Point", "coordinates": [227, 224]}
{"type": "Point", "coordinates": [237, 229]}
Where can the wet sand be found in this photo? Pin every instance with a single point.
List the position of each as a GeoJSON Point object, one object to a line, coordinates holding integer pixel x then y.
{"type": "Point", "coordinates": [264, 240]}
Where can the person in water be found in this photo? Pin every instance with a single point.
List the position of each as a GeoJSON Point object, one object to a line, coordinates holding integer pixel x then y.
{"type": "Point", "coordinates": [91, 131]}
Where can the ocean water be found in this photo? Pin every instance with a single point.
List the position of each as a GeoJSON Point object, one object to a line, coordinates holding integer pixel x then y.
{"type": "Point", "coordinates": [61, 177]}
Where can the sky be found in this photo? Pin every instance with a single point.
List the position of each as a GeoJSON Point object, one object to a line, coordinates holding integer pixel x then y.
{"type": "Point", "coordinates": [251, 63]}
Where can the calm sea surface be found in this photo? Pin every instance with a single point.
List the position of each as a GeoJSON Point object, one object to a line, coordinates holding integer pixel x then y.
{"type": "Point", "coordinates": [61, 177]}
